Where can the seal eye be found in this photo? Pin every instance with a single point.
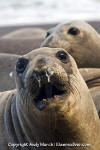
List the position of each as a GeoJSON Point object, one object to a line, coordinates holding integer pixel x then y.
{"type": "Point", "coordinates": [47, 34]}
{"type": "Point", "coordinates": [21, 65]}
{"type": "Point", "coordinates": [73, 31]}
{"type": "Point", "coordinates": [62, 56]}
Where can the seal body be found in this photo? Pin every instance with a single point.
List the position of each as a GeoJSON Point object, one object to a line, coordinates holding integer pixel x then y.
{"type": "Point", "coordinates": [82, 42]}
{"type": "Point", "coordinates": [91, 76]}
{"type": "Point", "coordinates": [92, 79]}
{"type": "Point", "coordinates": [22, 41]}
{"type": "Point", "coordinates": [7, 63]}
{"type": "Point", "coordinates": [80, 39]}
{"type": "Point", "coordinates": [51, 104]}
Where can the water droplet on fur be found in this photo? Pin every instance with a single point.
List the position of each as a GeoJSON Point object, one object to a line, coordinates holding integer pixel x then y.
{"type": "Point", "coordinates": [49, 73]}
{"type": "Point", "coordinates": [11, 74]}
{"type": "Point", "coordinates": [86, 69]}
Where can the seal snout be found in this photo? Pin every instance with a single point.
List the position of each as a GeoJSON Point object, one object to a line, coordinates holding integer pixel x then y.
{"type": "Point", "coordinates": [47, 88]}
{"type": "Point", "coordinates": [47, 94]}
{"type": "Point", "coordinates": [43, 77]}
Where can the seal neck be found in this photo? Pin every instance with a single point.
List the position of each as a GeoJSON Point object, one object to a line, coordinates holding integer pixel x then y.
{"type": "Point", "coordinates": [79, 123]}
{"type": "Point", "coordinates": [20, 136]}
{"type": "Point", "coordinates": [90, 53]}
{"type": "Point", "coordinates": [83, 117]}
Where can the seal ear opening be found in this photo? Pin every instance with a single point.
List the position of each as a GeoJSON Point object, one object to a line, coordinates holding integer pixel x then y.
{"type": "Point", "coordinates": [73, 31]}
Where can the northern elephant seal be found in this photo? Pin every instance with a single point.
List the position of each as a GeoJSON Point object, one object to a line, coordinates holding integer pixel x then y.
{"type": "Point", "coordinates": [22, 41]}
{"type": "Point", "coordinates": [51, 104]}
{"type": "Point", "coordinates": [92, 79]}
{"type": "Point", "coordinates": [91, 76]}
{"type": "Point", "coordinates": [7, 63]}
{"type": "Point", "coordinates": [26, 33]}
{"type": "Point", "coordinates": [82, 40]}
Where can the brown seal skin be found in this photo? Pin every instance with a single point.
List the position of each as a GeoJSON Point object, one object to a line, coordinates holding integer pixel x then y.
{"type": "Point", "coordinates": [91, 76]}
{"type": "Point", "coordinates": [80, 38]}
{"type": "Point", "coordinates": [95, 93]}
{"type": "Point", "coordinates": [51, 103]}
{"type": "Point", "coordinates": [92, 79]}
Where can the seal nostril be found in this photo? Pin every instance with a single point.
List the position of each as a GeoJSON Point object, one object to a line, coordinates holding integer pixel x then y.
{"type": "Point", "coordinates": [35, 75]}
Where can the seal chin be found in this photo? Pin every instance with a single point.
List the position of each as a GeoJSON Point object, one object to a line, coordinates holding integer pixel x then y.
{"type": "Point", "coordinates": [48, 94]}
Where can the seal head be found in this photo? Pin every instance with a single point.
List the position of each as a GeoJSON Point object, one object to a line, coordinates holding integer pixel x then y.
{"type": "Point", "coordinates": [43, 77]}
{"type": "Point", "coordinates": [79, 38]}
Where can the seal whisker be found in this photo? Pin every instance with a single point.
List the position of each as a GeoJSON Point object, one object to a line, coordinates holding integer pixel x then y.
{"type": "Point", "coordinates": [74, 87]}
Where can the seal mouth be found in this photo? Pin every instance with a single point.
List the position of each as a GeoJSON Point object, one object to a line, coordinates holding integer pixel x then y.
{"type": "Point", "coordinates": [47, 94]}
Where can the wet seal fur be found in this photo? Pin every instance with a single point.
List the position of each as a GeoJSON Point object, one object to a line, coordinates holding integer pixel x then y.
{"type": "Point", "coordinates": [92, 79]}
{"type": "Point", "coordinates": [51, 103]}
{"type": "Point", "coordinates": [80, 38]}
